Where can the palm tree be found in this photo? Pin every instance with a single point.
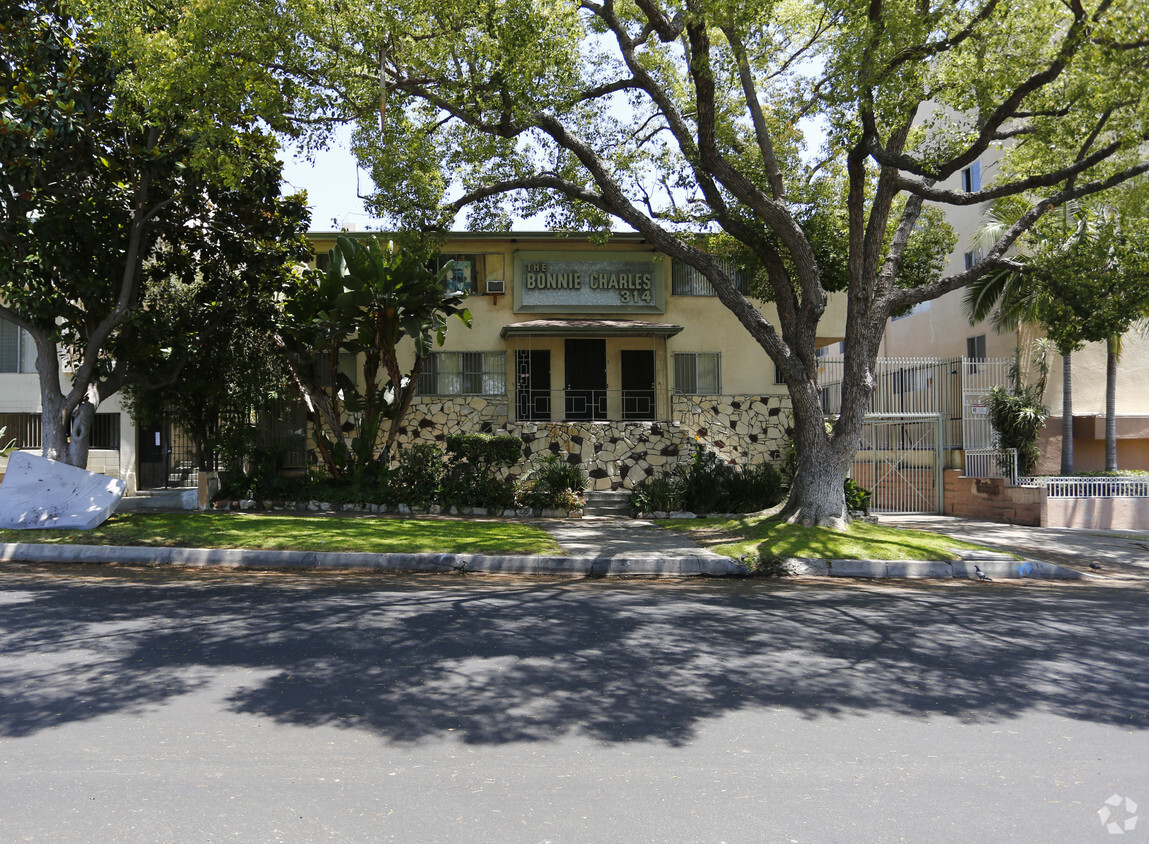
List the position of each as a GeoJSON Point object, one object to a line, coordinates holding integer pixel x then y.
{"type": "Point", "coordinates": [1014, 295]}
{"type": "Point", "coordinates": [1083, 278]}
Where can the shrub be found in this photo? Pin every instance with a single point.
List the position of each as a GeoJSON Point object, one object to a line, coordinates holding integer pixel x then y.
{"type": "Point", "coordinates": [706, 485]}
{"type": "Point", "coordinates": [555, 484]}
{"type": "Point", "coordinates": [418, 479]}
{"type": "Point", "coordinates": [857, 496]}
{"type": "Point", "coordinates": [473, 459]}
{"type": "Point", "coordinates": [657, 494]}
{"type": "Point", "coordinates": [1017, 419]}
{"type": "Point", "coordinates": [754, 488]}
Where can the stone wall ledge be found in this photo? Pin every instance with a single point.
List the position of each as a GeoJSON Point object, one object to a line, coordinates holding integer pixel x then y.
{"type": "Point", "coordinates": [327, 507]}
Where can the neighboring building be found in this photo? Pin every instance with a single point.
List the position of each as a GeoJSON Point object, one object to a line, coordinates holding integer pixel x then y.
{"type": "Point", "coordinates": [113, 449]}
{"type": "Point", "coordinates": [941, 329]}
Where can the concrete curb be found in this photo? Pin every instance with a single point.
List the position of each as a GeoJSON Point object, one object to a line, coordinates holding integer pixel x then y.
{"type": "Point", "coordinates": [238, 558]}
{"type": "Point", "coordinates": [994, 566]}
{"type": "Point", "coordinates": [1000, 567]}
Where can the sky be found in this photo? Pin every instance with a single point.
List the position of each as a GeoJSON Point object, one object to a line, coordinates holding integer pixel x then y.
{"type": "Point", "coordinates": [330, 182]}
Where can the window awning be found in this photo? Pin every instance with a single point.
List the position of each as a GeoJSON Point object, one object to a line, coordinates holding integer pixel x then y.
{"type": "Point", "coordinates": [589, 328]}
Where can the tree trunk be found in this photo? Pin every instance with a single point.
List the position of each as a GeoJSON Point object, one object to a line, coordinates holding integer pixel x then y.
{"type": "Point", "coordinates": [65, 419]}
{"type": "Point", "coordinates": [1112, 346]}
{"type": "Point", "coordinates": [818, 497]}
{"type": "Point", "coordinates": [83, 417]}
{"type": "Point", "coordinates": [817, 494]}
{"type": "Point", "coordinates": [1066, 414]}
{"type": "Point", "coordinates": [54, 415]}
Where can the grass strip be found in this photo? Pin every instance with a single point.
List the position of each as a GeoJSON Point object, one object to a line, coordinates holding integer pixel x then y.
{"type": "Point", "coordinates": [768, 537]}
{"type": "Point", "coordinates": [302, 533]}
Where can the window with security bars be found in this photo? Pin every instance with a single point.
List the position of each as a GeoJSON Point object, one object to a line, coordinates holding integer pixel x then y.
{"type": "Point", "coordinates": [26, 430]}
{"type": "Point", "coordinates": [687, 281]}
{"type": "Point", "coordinates": [464, 374]}
{"type": "Point", "coordinates": [17, 351]}
{"type": "Point", "coordinates": [697, 373]}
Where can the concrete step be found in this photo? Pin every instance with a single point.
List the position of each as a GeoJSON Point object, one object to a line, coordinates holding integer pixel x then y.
{"type": "Point", "coordinates": [608, 503]}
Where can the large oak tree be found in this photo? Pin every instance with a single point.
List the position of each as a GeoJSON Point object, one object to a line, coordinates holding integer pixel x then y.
{"type": "Point", "coordinates": [680, 117]}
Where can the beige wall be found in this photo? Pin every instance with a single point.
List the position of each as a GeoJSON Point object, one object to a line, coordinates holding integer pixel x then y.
{"type": "Point", "coordinates": [707, 325]}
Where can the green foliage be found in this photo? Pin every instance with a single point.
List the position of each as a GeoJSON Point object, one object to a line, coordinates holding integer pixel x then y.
{"type": "Point", "coordinates": [657, 494]}
{"type": "Point", "coordinates": [483, 452]}
{"type": "Point", "coordinates": [555, 484]}
{"type": "Point", "coordinates": [1017, 419]}
{"type": "Point", "coordinates": [115, 251]}
{"type": "Point", "coordinates": [419, 476]}
{"type": "Point", "coordinates": [374, 295]}
{"type": "Point", "coordinates": [677, 118]}
{"type": "Point", "coordinates": [473, 461]}
{"type": "Point", "coordinates": [706, 485]}
{"type": "Point", "coordinates": [857, 496]}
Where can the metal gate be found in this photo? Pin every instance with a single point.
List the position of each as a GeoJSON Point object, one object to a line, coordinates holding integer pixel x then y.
{"type": "Point", "coordinates": [901, 461]}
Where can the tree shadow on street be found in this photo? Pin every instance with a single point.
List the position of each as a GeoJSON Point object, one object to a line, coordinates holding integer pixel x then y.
{"type": "Point", "coordinates": [494, 661]}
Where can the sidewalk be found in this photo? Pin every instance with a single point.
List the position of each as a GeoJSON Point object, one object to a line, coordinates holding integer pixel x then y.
{"type": "Point", "coordinates": [608, 547]}
{"type": "Point", "coordinates": [1118, 552]}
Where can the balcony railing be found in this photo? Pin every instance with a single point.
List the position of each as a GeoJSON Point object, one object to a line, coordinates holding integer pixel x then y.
{"type": "Point", "coordinates": [576, 405]}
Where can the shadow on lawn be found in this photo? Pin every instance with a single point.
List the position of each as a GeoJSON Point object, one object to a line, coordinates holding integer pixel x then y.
{"type": "Point", "coordinates": [500, 662]}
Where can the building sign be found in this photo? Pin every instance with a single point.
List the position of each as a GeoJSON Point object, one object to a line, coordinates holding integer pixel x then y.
{"type": "Point", "coordinates": [590, 282]}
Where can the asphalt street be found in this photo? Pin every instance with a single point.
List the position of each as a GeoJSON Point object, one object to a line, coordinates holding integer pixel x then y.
{"type": "Point", "coordinates": [140, 705]}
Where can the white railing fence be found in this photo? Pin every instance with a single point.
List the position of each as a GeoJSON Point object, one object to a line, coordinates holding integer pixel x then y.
{"type": "Point", "coordinates": [1079, 487]}
{"type": "Point", "coordinates": [991, 463]}
{"type": "Point", "coordinates": [952, 387]}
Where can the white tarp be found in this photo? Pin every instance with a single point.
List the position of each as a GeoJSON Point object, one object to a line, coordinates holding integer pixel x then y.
{"type": "Point", "coordinates": [41, 493]}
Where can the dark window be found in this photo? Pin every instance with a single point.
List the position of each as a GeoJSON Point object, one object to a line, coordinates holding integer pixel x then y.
{"type": "Point", "coordinates": [17, 352]}
{"type": "Point", "coordinates": [971, 178]}
{"type": "Point", "coordinates": [975, 347]}
{"type": "Point", "coordinates": [106, 431]}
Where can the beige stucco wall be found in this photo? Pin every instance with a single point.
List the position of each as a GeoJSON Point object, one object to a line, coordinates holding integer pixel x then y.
{"type": "Point", "coordinates": [1095, 513]}
{"type": "Point", "coordinates": [707, 325]}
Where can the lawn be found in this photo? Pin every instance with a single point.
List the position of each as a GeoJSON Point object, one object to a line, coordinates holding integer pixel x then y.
{"type": "Point", "coordinates": [302, 533]}
{"type": "Point", "coordinates": [768, 537]}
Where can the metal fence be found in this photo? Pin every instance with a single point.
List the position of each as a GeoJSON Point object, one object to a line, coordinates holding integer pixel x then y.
{"type": "Point", "coordinates": [991, 463]}
{"type": "Point", "coordinates": [1097, 487]}
{"type": "Point", "coordinates": [900, 462]}
{"type": "Point", "coordinates": [954, 388]}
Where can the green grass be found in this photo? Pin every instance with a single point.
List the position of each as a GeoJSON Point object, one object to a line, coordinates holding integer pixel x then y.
{"type": "Point", "coordinates": [301, 533]}
{"type": "Point", "coordinates": [769, 537]}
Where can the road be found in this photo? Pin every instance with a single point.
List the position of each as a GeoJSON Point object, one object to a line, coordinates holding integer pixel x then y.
{"type": "Point", "coordinates": [140, 705]}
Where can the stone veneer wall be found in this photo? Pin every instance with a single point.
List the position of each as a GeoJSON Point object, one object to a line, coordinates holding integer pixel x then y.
{"type": "Point", "coordinates": [618, 455]}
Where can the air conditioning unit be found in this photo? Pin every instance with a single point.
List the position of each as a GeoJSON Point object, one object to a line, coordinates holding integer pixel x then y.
{"type": "Point", "coordinates": [496, 288]}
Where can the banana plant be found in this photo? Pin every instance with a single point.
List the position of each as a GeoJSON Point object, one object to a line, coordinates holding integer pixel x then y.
{"type": "Point", "coordinates": [348, 332]}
